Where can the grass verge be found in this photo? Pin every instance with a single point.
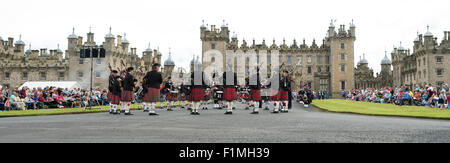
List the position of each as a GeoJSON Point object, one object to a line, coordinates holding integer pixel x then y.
{"type": "Point", "coordinates": [366, 108]}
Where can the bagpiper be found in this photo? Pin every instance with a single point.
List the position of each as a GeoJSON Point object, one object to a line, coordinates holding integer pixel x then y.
{"type": "Point", "coordinates": [229, 89]}
{"type": "Point", "coordinates": [197, 92]}
{"type": "Point", "coordinates": [127, 90]}
{"type": "Point", "coordinates": [283, 93]}
{"type": "Point", "coordinates": [255, 91]}
{"type": "Point", "coordinates": [114, 91]}
{"type": "Point", "coordinates": [171, 94]}
{"type": "Point", "coordinates": [152, 83]}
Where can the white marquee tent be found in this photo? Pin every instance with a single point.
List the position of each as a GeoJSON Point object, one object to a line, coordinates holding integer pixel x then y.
{"type": "Point", "coordinates": [57, 84]}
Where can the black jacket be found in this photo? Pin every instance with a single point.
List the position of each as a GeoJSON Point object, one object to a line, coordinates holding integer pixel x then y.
{"type": "Point", "coordinates": [225, 84]}
{"type": "Point", "coordinates": [128, 82]}
{"type": "Point", "coordinates": [254, 77]}
{"type": "Point", "coordinates": [114, 85]}
{"type": "Point", "coordinates": [285, 83]}
{"type": "Point", "coordinates": [195, 85]}
{"type": "Point", "coordinates": [153, 79]}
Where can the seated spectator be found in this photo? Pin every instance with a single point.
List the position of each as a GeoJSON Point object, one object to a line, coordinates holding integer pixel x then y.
{"type": "Point", "coordinates": [29, 102]}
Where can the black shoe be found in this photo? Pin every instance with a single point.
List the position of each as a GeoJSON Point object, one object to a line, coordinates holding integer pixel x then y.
{"type": "Point", "coordinates": [129, 113]}
{"type": "Point", "coordinates": [275, 112]}
{"type": "Point", "coordinates": [247, 108]}
{"type": "Point", "coordinates": [169, 109]}
{"type": "Point", "coordinates": [115, 112]}
{"type": "Point", "coordinates": [122, 111]}
{"type": "Point", "coordinates": [146, 110]}
{"type": "Point", "coordinates": [228, 112]}
{"type": "Point", "coordinates": [111, 112]}
{"type": "Point", "coordinates": [254, 112]}
{"type": "Point", "coordinates": [234, 108]}
{"type": "Point", "coordinates": [197, 113]}
{"type": "Point", "coordinates": [152, 114]}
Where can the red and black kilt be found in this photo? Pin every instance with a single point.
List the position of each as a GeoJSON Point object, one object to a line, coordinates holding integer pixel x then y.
{"type": "Point", "coordinates": [255, 95]}
{"type": "Point", "coordinates": [115, 99]}
{"type": "Point", "coordinates": [229, 94]}
{"type": "Point", "coordinates": [183, 97]}
{"type": "Point", "coordinates": [282, 95]}
{"type": "Point", "coordinates": [152, 95]}
{"type": "Point", "coordinates": [197, 94]}
{"type": "Point", "coordinates": [126, 96]}
{"type": "Point", "coordinates": [171, 97]}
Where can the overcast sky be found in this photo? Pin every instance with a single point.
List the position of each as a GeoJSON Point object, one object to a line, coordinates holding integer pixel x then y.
{"type": "Point", "coordinates": [379, 24]}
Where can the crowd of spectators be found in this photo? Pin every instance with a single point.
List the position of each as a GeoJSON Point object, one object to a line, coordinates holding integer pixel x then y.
{"type": "Point", "coordinates": [49, 97]}
{"type": "Point", "coordinates": [427, 95]}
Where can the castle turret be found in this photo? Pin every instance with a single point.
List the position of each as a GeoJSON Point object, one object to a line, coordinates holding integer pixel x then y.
{"type": "Point", "coordinates": [125, 44]}
{"type": "Point", "coordinates": [109, 41]}
{"type": "Point", "coordinates": [147, 55]}
{"type": "Point", "coordinates": [169, 65]}
{"type": "Point", "coordinates": [72, 41]}
{"type": "Point", "coordinates": [19, 45]}
{"type": "Point", "coordinates": [428, 39]}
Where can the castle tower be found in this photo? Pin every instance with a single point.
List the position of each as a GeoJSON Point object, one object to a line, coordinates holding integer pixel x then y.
{"type": "Point", "coordinates": [169, 65]}
{"type": "Point", "coordinates": [147, 55]}
{"type": "Point", "coordinates": [341, 58]}
{"type": "Point", "coordinates": [72, 42]}
{"type": "Point", "coordinates": [125, 44]}
{"type": "Point", "coordinates": [216, 40]}
{"type": "Point", "coordinates": [428, 39]}
{"type": "Point", "coordinates": [19, 46]}
{"type": "Point", "coordinates": [386, 63]}
{"type": "Point", "coordinates": [108, 45]}
{"type": "Point", "coordinates": [90, 38]}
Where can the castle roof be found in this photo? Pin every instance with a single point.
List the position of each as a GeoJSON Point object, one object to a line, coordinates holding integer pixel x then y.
{"type": "Point", "coordinates": [20, 42]}
{"type": "Point", "coordinates": [72, 36]}
{"type": "Point", "coordinates": [109, 35]}
{"type": "Point", "coordinates": [428, 33]}
{"type": "Point", "coordinates": [125, 41]}
{"type": "Point", "coordinates": [169, 61]}
{"type": "Point", "coordinates": [386, 60]}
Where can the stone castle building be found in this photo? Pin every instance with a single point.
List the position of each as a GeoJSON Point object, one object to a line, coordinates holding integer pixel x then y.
{"type": "Point", "coordinates": [364, 77]}
{"type": "Point", "coordinates": [18, 66]}
{"type": "Point", "coordinates": [329, 66]}
{"type": "Point", "coordinates": [426, 64]}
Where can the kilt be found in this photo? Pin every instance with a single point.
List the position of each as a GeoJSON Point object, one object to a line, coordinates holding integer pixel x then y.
{"type": "Point", "coordinates": [115, 99]}
{"type": "Point", "coordinates": [127, 96]}
{"type": "Point", "coordinates": [171, 97]}
{"type": "Point", "coordinates": [152, 95]}
{"type": "Point", "coordinates": [229, 94]}
{"type": "Point", "coordinates": [281, 95]}
{"type": "Point", "coordinates": [255, 95]}
{"type": "Point", "coordinates": [197, 94]}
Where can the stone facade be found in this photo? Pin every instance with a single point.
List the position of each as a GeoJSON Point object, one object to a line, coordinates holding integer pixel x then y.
{"type": "Point", "coordinates": [328, 66]}
{"type": "Point", "coordinates": [427, 64]}
{"type": "Point", "coordinates": [18, 66]}
{"type": "Point", "coordinates": [364, 77]}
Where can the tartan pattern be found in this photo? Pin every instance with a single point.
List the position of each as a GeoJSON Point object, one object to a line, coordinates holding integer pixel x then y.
{"type": "Point", "coordinates": [183, 97]}
{"type": "Point", "coordinates": [172, 97]}
{"type": "Point", "coordinates": [229, 94]}
{"type": "Point", "coordinates": [197, 94]}
{"type": "Point", "coordinates": [152, 95]}
{"type": "Point", "coordinates": [255, 95]}
{"type": "Point", "coordinates": [127, 96]}
{"type": "Point", "coordinates": [115, 99]}
{"type": "Point", "coordinates": [281, 95]}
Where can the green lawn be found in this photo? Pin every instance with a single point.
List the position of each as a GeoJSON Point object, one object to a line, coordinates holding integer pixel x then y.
{"type": "Point", "coordinates": [40, 112]}
{"type": "Point", "coordinates": [344, 106]}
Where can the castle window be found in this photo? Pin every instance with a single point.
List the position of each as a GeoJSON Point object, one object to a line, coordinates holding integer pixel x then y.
{"type": "Point", "coordinates": [309, 70]}
{"type": "Point", "coordinates": [80, 74]}
{"type": "Point", "coordinates": [319, 69]}
{"type": "Point", "coordinates": [418, 62]}
{"type": "Point", "coordinates": [299, 61]}
{"type": "Point", "coordinates": [213, 46]}
{"type": "Point", "coordinates": [319, 59]}
{"type": "Point", "coordinates": [309, 59]}
{"type": "Point", "coordinates": [342, 85]}
{"type": "Point", "coordinates": [342, 46]}
{"type": "Point", "coordinates": [257, 59]}
{"type": "Point", "coordinates": [61, 74]}
{"type": "Point", "coordinates": [328, 69]}
{"type": "Point", "coordinates": [24, 75]}
{"type": "Point", "coordinates": [439, 59]}
{"type": "Point", "coordinates": [43, 75]}
{"type": "Point", "coordinates": [342, 56]}
{"type": "Point", "coordinates": [269, 59]}
{"type": "Point", "coordinates": [342, 68]}
{"type": "Point", "coordinates": [81, 61]}
{"type": "Point", "coordinates": [289, 59]}
{"type": "Point", "coordinates": [439, 72]}
{"type": "Point", "coordinates": [97, 74]}
{"type": "Point", "coordinates": [327, 59]}
{"type": "Point", "coordinates": [7, 75]}
{"type": "Point", "coordinates": [98, 61]}
{"type": "Point", "coordinates": [424, 61]}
